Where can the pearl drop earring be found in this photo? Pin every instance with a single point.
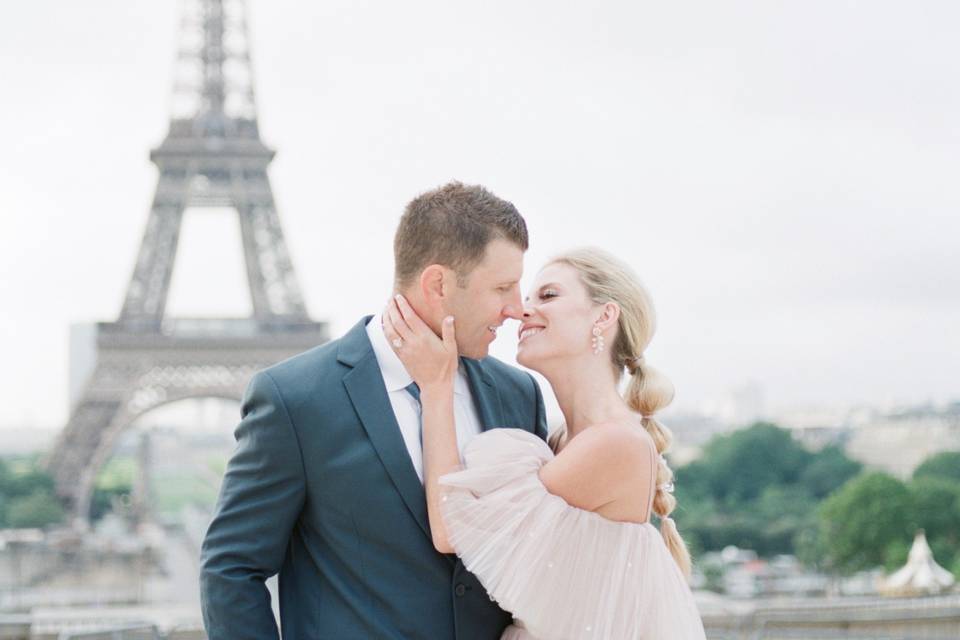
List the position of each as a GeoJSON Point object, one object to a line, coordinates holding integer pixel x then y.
{"type": "Point", "coordinates": [597, 341]}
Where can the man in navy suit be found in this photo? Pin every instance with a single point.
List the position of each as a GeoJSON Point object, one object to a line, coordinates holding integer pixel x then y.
{"type": "Point", "coordinates": [325, 485]}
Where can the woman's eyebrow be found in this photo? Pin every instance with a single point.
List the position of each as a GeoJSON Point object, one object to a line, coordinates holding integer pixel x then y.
{"type": "Point", "coordinates": [542, 287]}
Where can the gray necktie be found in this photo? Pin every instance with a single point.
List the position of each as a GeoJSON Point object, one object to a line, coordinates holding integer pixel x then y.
{"type": "Point", "coordinates": [414, 390]}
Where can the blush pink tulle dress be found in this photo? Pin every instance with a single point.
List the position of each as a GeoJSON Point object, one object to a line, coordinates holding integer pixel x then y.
{"type": "Point", "coordinates": [563, 572]}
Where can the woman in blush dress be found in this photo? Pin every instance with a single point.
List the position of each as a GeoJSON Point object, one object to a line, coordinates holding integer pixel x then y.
{"type": "Point", "coordinates": [560, 533]}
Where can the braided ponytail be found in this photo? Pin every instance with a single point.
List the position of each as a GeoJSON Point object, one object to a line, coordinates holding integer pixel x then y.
{"type": "Point", "coordinates": [648, 392]}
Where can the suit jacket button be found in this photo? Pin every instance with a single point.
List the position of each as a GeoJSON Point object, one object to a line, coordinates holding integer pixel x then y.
{"type": "Point", "coordinates": [460, 590]}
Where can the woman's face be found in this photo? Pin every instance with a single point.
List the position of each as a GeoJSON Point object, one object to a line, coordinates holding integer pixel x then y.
{"type": "Point", "coordinates": [558, 317]}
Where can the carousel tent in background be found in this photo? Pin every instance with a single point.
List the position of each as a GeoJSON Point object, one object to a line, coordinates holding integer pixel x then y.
{"type": "Point", "coordinates": [921, 575]}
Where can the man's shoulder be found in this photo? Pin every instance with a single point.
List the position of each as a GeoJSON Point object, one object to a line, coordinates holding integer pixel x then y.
{"type": "Point", "coordinates": [311, 360]}
{"type": "Point", "coordinates": [314, 368]}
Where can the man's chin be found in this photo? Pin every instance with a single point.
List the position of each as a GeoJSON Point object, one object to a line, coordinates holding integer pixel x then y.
{"type": "Point", "coordinates": [475, 353]}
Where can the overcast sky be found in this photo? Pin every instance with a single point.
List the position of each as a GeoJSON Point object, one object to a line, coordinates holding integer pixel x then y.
{"type": "Point", "coordinates": [783, 175]}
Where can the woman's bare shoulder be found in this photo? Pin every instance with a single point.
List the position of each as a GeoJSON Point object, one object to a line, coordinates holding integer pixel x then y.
{"type": "Point", "coordinates": [615, 438]}
{"type": "Point", "coordinates": [593, 467]}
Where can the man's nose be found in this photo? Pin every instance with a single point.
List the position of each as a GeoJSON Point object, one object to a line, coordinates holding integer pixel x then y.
{"type": "Point", "coordinates": [514, 308]}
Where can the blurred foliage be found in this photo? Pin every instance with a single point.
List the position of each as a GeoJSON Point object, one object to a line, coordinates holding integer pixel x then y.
{"type": "Point", "coordinates": [829, 469]}
{"type": "Point", "coordinates": [935, 508]}
{"type": "Point", "coordinates": [170, 489]}
{"type": "Point", "coordinates": [113, 486]}
{"type": "Point", "coordinates": [760, 489]}
{"type": "Point", "coordinates": [945, 464]}
{"type": "Point", "coordinates": [895, 555]}
{"type": "Point", "coordinates": [861, 520]}
{"type": "Point", "coordinates": [173, 492]}
{"type": "Point", "coordinates": [757, 488]}
{"type": "Point", "coordinates": [27, 497]}
{"type": "Point", "coordinates": [117, 473]}
{"type": "Point", "coordinates": [106, 500]}
{"type": "Point", "coordinates": [217, 464]}
{"type": "Point", "coordinates": [872, 521]}
{"type": "Point", "coordinates": [38, 509]}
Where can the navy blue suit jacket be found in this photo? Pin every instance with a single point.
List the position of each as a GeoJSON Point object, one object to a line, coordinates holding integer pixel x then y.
{"type": "Point", "coordinates": [321, 490]}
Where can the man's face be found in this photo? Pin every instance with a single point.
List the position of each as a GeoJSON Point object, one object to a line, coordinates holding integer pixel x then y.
{"type": "Point", "coordinates": [491, 296]}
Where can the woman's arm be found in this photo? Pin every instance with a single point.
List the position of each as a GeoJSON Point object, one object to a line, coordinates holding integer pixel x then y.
{"type": "Point", "coordinates": [432, 363]}
{"type": "Point", "coordinates": [440, 455]}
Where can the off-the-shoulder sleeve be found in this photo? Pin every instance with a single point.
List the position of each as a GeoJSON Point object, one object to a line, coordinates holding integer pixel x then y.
{"type": "Point", "coordinates": [563, 572]}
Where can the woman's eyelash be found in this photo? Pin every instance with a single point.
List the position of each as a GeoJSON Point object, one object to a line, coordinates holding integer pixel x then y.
{"type": "Point", "coordinates": [549, 293]}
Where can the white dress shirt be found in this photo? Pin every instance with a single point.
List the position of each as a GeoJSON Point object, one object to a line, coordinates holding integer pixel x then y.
{"type": "Point", "coordinates": [407, 409]}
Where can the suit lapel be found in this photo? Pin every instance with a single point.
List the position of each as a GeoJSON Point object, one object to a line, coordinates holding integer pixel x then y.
{"type": "Point", "coordinates": [486, 395]}
{"type": "Point", "coordinates": [364, 384]}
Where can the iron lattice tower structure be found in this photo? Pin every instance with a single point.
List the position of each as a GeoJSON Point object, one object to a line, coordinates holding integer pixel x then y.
{"type": "Point", "coordinates": [212, 156]}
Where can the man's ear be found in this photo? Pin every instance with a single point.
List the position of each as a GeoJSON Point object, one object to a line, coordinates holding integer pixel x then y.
{"type": "Point", "coordinates": [434, 284]}
{"type": "Point", "coordinates": [609, 317]}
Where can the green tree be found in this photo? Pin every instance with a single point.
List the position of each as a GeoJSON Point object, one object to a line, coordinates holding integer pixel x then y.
{"type": "Point", "coordinates": [895, 555]}
{"type": "Point", "coordinates": [860, 520]}
{"type": "Point", "coordinates": [27, 497]}
{"type": "Point", "coordinates": [28, 482]}
{"type": "Point", "coordinates": [757, 488]}
{"type": "Point", "coordinates": [103, 501]}
{"type": "Point", "coordinates": [809, 546]}
{"type": "Point", "coordinates": [113, 486]}
{"type": "Point", "coordinates": [944, 552]}
{"type": "Point", "coordinates": [692, 482]}
{"type": "Point", "coordinates": [945, 464]}
{"type": "Point", "coordinates": [739, 466]}
{"type": "Point", "coordinates": [39, 509]}
{"type": "Point", "coordinates": [779, 514]}
{"type": "Point", "coordinates": [935, 508]}
{"type": "Point", "coordinates": [828, 470]}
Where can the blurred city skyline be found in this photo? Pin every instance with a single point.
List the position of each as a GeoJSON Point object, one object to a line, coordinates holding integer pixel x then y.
{"type": "Point", "coordinates": [781, 177]}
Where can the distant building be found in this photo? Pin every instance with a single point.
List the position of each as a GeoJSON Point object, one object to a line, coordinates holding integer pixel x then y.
{"type": "Point", "coordinates": [739, 407]}
{"type": "Point", "coordinates": [818, 427]}
{"type": "Point", "coordinates": [898, 442]}
{"type": "Point", "coordinates": [895, 441]}
{"type": "Point", "coordinates": [745, 575]}
{"type": "Point", "coordinates": [690, 432]}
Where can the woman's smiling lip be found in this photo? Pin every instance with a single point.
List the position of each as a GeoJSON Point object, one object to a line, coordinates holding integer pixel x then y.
{"type": "Point", "coordinates": [532, 328]}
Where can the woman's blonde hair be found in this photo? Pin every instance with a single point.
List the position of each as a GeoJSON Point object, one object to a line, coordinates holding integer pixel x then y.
{"type": "Point", "coordinates": [608, 279]}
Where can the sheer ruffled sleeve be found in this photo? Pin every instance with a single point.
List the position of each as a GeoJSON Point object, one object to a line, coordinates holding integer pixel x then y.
{"type": "Point", "coordinates": [562, 571]}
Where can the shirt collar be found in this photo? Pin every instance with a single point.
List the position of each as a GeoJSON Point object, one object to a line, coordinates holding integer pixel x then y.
{"type": "Point", "coordinates": [395, 375]}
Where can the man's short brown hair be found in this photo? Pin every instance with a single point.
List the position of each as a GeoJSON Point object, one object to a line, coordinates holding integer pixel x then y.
{"type": "Point", "coordinates": [452, 226]}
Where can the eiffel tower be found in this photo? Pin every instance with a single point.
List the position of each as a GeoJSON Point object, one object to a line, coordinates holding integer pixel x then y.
{"type": "Point", "coordinates": [212, 156]}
